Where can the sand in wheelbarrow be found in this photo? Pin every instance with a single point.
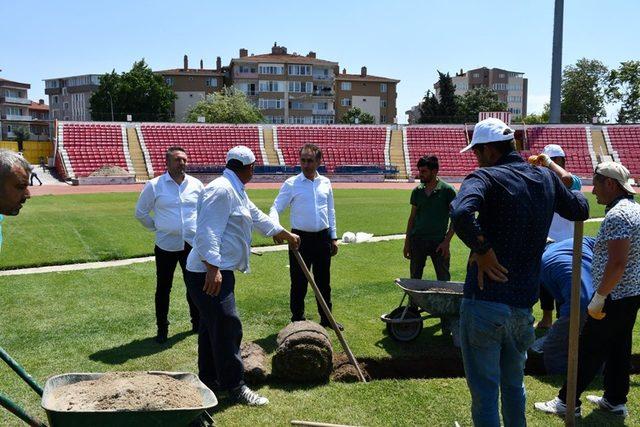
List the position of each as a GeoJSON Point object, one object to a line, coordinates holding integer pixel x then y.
{"type": "Point", "coordinates": [254, 360]}
{"type": "Point", "coordinates": [344, 371]}
{"type": "Point", "coordinates": [126, 391]}
{"type": "Point", "coordinates": [304, 353]}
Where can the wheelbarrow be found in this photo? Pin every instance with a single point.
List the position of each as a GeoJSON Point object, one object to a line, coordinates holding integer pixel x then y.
{"type": "Point", "coordinates": [195, 416]}
{"type": "Point", "coordinates": [426, 299]}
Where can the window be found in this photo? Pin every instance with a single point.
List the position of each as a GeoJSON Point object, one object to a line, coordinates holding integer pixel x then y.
{"type": "Point", "coordinates": [270, 69]}
{"type": "Point", "coordinates": [211, 82]}
{"type": "Point", "coordinates": [383, 103]}
{"type": "Point", "coordinates": [276, 120]}
{"type": "Point", "coordinates": [9, 129]}
{"type": "Point", "coordinates": [383, 118]}
{"type": "Point", "coordinates": [499, 86]}
{"type": "Point", "coordinates": [66, 105]}
{"type": "Point", "coordinates": [383, 87]}
{"type": "Point", "coordinates": [300, 70]}
{"type": "Point", "coordinates": [51, 84]}
{"type": "Point", "coordinates": [298, 105]}
{"type": "Point", "coordinates": [476, 75]}
{"type": "Point", "coordinates": [271, 86]}
{"type": "Point", "coordinates": [323, 120]}
{"type": "Point", "coordinates": [515, 98]}
{"type": "Point", "coordinates": [246, 69]}
{"type": "Point", "coordinates": [345, 85]}
{"type": "Point", "coordinates": [14, 111]}
{"type": "Point", "coordinates": [514, 87]}
{"type": "Point", "coordinates": [321, 106]}
{"type": "Point", "coordinates": [345, 102]}
{"type": "Point", "coordinates": [249, 89]}
{"type": "Point", "coordinates": [169, 81]}
{"type": "Point", "coordinates": [306, 120]}
{"type": "Point", "coordinates": [305, 87]}
{"type": "Point", "coordinates": [270, 104]}
{"type": "Point", "coordinates": [501, 76]}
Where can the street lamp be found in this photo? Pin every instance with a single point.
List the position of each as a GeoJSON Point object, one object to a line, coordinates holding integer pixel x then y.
{"type": "Point", "coordinates": [111, 101]}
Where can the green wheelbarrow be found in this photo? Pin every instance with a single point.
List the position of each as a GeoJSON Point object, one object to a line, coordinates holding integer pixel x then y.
{"type": "Point", "coordinates": [196, 416]}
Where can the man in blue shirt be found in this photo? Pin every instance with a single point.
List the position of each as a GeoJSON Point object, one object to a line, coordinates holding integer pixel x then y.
{"type": "Point", "coordinates": [515, 203]}
{"type": "Point", "coordinates": [555, 276]}
{"type": "Point", "coordinates": [14, 184]}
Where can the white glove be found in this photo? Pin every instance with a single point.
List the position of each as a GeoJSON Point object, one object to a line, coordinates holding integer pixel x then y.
{"type": "Point", "coordinates": [596, 305]}
{"type": "Point", "coordinates": [544, 160]}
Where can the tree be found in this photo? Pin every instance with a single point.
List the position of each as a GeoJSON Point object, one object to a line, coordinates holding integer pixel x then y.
{"type": "Point", "coordinates": [228, 106]}
{"type": "Point", "coordinates": [583, 91]}
{"type": "Point", "coordinates": [355, 113]}
{"type": "Point", "coordinates": [477, 100]}
{"type": "Point", "coordinates": [21, 134]}
{"type": "Point", "coordinates": [532, 119]}
{"type": "Point", "coordinates": [138, 92]}
{"type": "Point", "coordinates": [624, 87]}
{"type": "Point", "coordinates": [429, 108]}
{"type": "Point", "coordinates": [444, 107]}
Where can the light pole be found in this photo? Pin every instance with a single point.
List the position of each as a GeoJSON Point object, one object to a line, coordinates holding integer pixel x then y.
{"type": "Point", "coordinates": [556, 62]}
{"type": "Point", "coordinates": [111, 101]}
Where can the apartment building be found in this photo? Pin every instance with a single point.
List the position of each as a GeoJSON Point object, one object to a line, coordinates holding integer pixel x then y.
{"type": "Point", "coordinates": [17, 111]}
{"type": "Point", "coordinates": [192, 84]}
{"type": "Point", "coordinates": [511, 86]}
{"type": "Point", "coordinates": [372, 94]}
{"type": "Point", "coordinates": [40, 121]}
{"type": "Point", "coordinates": [69, 96]}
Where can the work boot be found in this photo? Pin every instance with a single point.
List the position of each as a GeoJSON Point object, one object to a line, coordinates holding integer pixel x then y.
{"type": "Point", "coordinates": [604, 405]}
{"type": "Point", "coordinates": [245, 396]}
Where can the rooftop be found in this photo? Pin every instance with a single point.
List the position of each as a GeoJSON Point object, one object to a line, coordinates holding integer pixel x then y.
{"type": "Point", "coordinates": [367, 78]}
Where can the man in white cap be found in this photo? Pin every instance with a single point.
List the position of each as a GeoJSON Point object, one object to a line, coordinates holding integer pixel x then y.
{"type": "Point", "coordinates": [222, 244]}
{"type": "Point", "coordinates": [514, 203]}
{"type": "Point", "coordinates": [607, 333]}
{"type": "Point", "coordinates": [554, 158]}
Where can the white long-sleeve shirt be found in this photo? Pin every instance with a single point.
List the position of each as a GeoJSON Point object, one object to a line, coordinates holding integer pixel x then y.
{"type": "Point", "coordinates": [226, 218]}
{"type": "Point", "coordinates": [174, 210]}
{"type": "Point", "coordinates": [311, 201]}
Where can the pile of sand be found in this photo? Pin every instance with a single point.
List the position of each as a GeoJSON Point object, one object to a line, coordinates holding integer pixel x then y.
{"type": "Point", "coordinates": [126, 391]}
{"type": "Point", "coordinates": [109, 170]}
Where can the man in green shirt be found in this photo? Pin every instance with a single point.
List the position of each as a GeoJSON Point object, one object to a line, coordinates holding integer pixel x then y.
{"type": "Point", "coordinates": [428, 230]}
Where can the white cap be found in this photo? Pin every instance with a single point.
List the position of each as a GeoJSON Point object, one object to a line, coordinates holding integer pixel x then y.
{"type": "Point", "coordinates": [553, 150]}
{"type": "Point", "coordinates": [242, 154]}
{"type": "Point", "coordinates": [618, 172]}
{"type": "Point", "coordinates": [489, 130]}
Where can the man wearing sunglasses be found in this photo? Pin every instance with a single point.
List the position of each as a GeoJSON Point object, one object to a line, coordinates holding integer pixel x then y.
{"type": "Point", "coordinates": [313, 218]}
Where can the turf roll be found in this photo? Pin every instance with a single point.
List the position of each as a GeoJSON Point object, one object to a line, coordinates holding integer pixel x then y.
{"type": "Point", "coordinates": [304, 353]}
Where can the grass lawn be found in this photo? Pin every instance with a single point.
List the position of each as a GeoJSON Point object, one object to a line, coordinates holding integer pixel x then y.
{"type": "Point", "coordinates": [80, 228]}
{"type": "Point", "coordinates": [103, 320]}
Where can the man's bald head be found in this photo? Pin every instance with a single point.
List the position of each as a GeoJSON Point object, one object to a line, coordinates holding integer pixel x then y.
{"type": "Point", "coordinates": [14, 182]}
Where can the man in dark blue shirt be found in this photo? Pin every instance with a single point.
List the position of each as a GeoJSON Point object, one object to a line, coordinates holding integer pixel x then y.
{"type": "Point", "coordinates": [515, 203]}
{"type": "Point", "coordinates": [555, 276]}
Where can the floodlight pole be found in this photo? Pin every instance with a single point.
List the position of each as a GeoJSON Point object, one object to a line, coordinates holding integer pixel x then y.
{"type": "Point", "coordinates": [556, 62]}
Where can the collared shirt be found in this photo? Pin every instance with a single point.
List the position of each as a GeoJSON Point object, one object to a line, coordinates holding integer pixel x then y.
{"type": "Point", "coordinates": [174, 210]}
{"type": "Point", "coordinates": [557, 269]}
{"type": "Point", "coordinates": [312, 207]}
{"type": "Point", "coordinates": [226, 218]}
{"type": "Point", "coordinates": [562, 229]}
{"type": "Point", "coordinates": [621, 222]}
{"type": "Point", "coordinates": [432, 211]}
{"type": "Point", "coordinates": [515, 203]}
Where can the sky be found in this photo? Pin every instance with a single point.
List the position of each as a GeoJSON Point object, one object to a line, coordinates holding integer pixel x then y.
{"type": "Point", "coordinates": [405, 40]}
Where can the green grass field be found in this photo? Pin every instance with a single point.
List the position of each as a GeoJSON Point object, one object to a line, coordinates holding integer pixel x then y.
{"type": "Point", "coordinates": [96, 227]}
{"type": "Point", "coordinates": [103, 320]}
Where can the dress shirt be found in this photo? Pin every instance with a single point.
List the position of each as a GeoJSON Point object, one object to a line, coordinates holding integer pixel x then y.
{"type": "Point", "coordinates": [311, 201]}
{"type": "Point", "coordinates": [515, 203]}
{"type": "Point", "coordinates": [226, 218]}
{"type": "Point", "coordinates": [174, 210]}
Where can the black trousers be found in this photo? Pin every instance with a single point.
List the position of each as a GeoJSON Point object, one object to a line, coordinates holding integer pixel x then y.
{"type": "Point", "coordinates": [420, 250]}
{"type": "Point", "coordinates": [547, 303]}
{"type": "Point", "coordinates": [166, 262]}
{"type": "Point", "coordinates": [220, 333]}
{"type": "Point", "coordinates": [34, 176]}
{"type": "Point", "coordinates": [607, 341]}
{"type": "Point", "coordinates": [315, 249]}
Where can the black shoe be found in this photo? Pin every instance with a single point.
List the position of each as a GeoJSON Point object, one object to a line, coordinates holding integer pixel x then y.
{"type": "Point", "coordinates": [328, 325]}
{"type": "Point", "coordinates": [162, 336]}
{"type": "Point", "coordinates": [298, 319]}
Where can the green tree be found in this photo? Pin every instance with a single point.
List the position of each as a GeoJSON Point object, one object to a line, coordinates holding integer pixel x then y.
{"type": "Point", "coordinates": [583, 91]}
{"type": "Point", "coordinates": [533, 119]}
{"type": "Point", "coordinates": [138, 92]}
{"type": "Point", "coordinates": [429, 108]}
{"type": "Point", "coordinates": [228, 106]}
{"type": "Point", "coordinates": [21, 134]}
{"type": "Point", "coordinates": [477, 100]}
{"type": "Point", "coordinates": [355, 113]}
{"type": "Point", "coordinates": [448, 100]}
{"type": "Point", "coordinates": [624, 87]}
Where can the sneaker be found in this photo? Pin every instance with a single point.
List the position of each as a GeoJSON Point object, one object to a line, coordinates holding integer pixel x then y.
{"type": "Point", "coordinates": [555, 406]}
{"type": "Point", "coordinates": [604, 405]}
{"type": "Point", "coordinates": [245, 396]}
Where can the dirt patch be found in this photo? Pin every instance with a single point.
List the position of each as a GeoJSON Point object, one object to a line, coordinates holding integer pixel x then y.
{"type": "Point", "coordinates": [126, 391]}
{"type": "Point", "coordinates": [110, 170]}
{"type": "Point", "coordinates": [344, 371]}
{"type": "Point", "coordinates": [254, 360]}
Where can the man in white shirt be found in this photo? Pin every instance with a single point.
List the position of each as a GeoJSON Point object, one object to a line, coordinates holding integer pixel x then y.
{"type": "Point", "coordinates": [222, 244]}
{"type": "Point", "coordinates": [172, 197]}
{"type": "Point", "coordinates": [313, 218]}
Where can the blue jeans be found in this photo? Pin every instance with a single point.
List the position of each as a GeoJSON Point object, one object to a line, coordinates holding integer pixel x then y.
{"type": "Point", "coordinates": [494, 338]}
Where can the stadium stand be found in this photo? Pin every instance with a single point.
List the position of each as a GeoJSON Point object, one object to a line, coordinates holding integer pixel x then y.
{"type": "Point", "coordinates": [341, 145]}
{"type": "Point", "coordinates": [574, 140]}
{"type": "Point", "coordinates": [85, 147]}
{"type": "Point", "coordinates": [623, 143]}
{"type": "Point", "coordinates": [206, 145]}
{"type": "Point", "coordinates": [445, 142]}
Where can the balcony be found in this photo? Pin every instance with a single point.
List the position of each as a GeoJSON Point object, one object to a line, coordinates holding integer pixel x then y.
{"type": "Point", "coordinates": [16, 100]}
{"type": "Point", "coordinates": [16, 118]}
{"type": "Point", "coordinates": [323, 77]}
{"type": "Point", "coordinates": [317, 112]}
{"type": "Point", "coordinates": [323, 93]}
